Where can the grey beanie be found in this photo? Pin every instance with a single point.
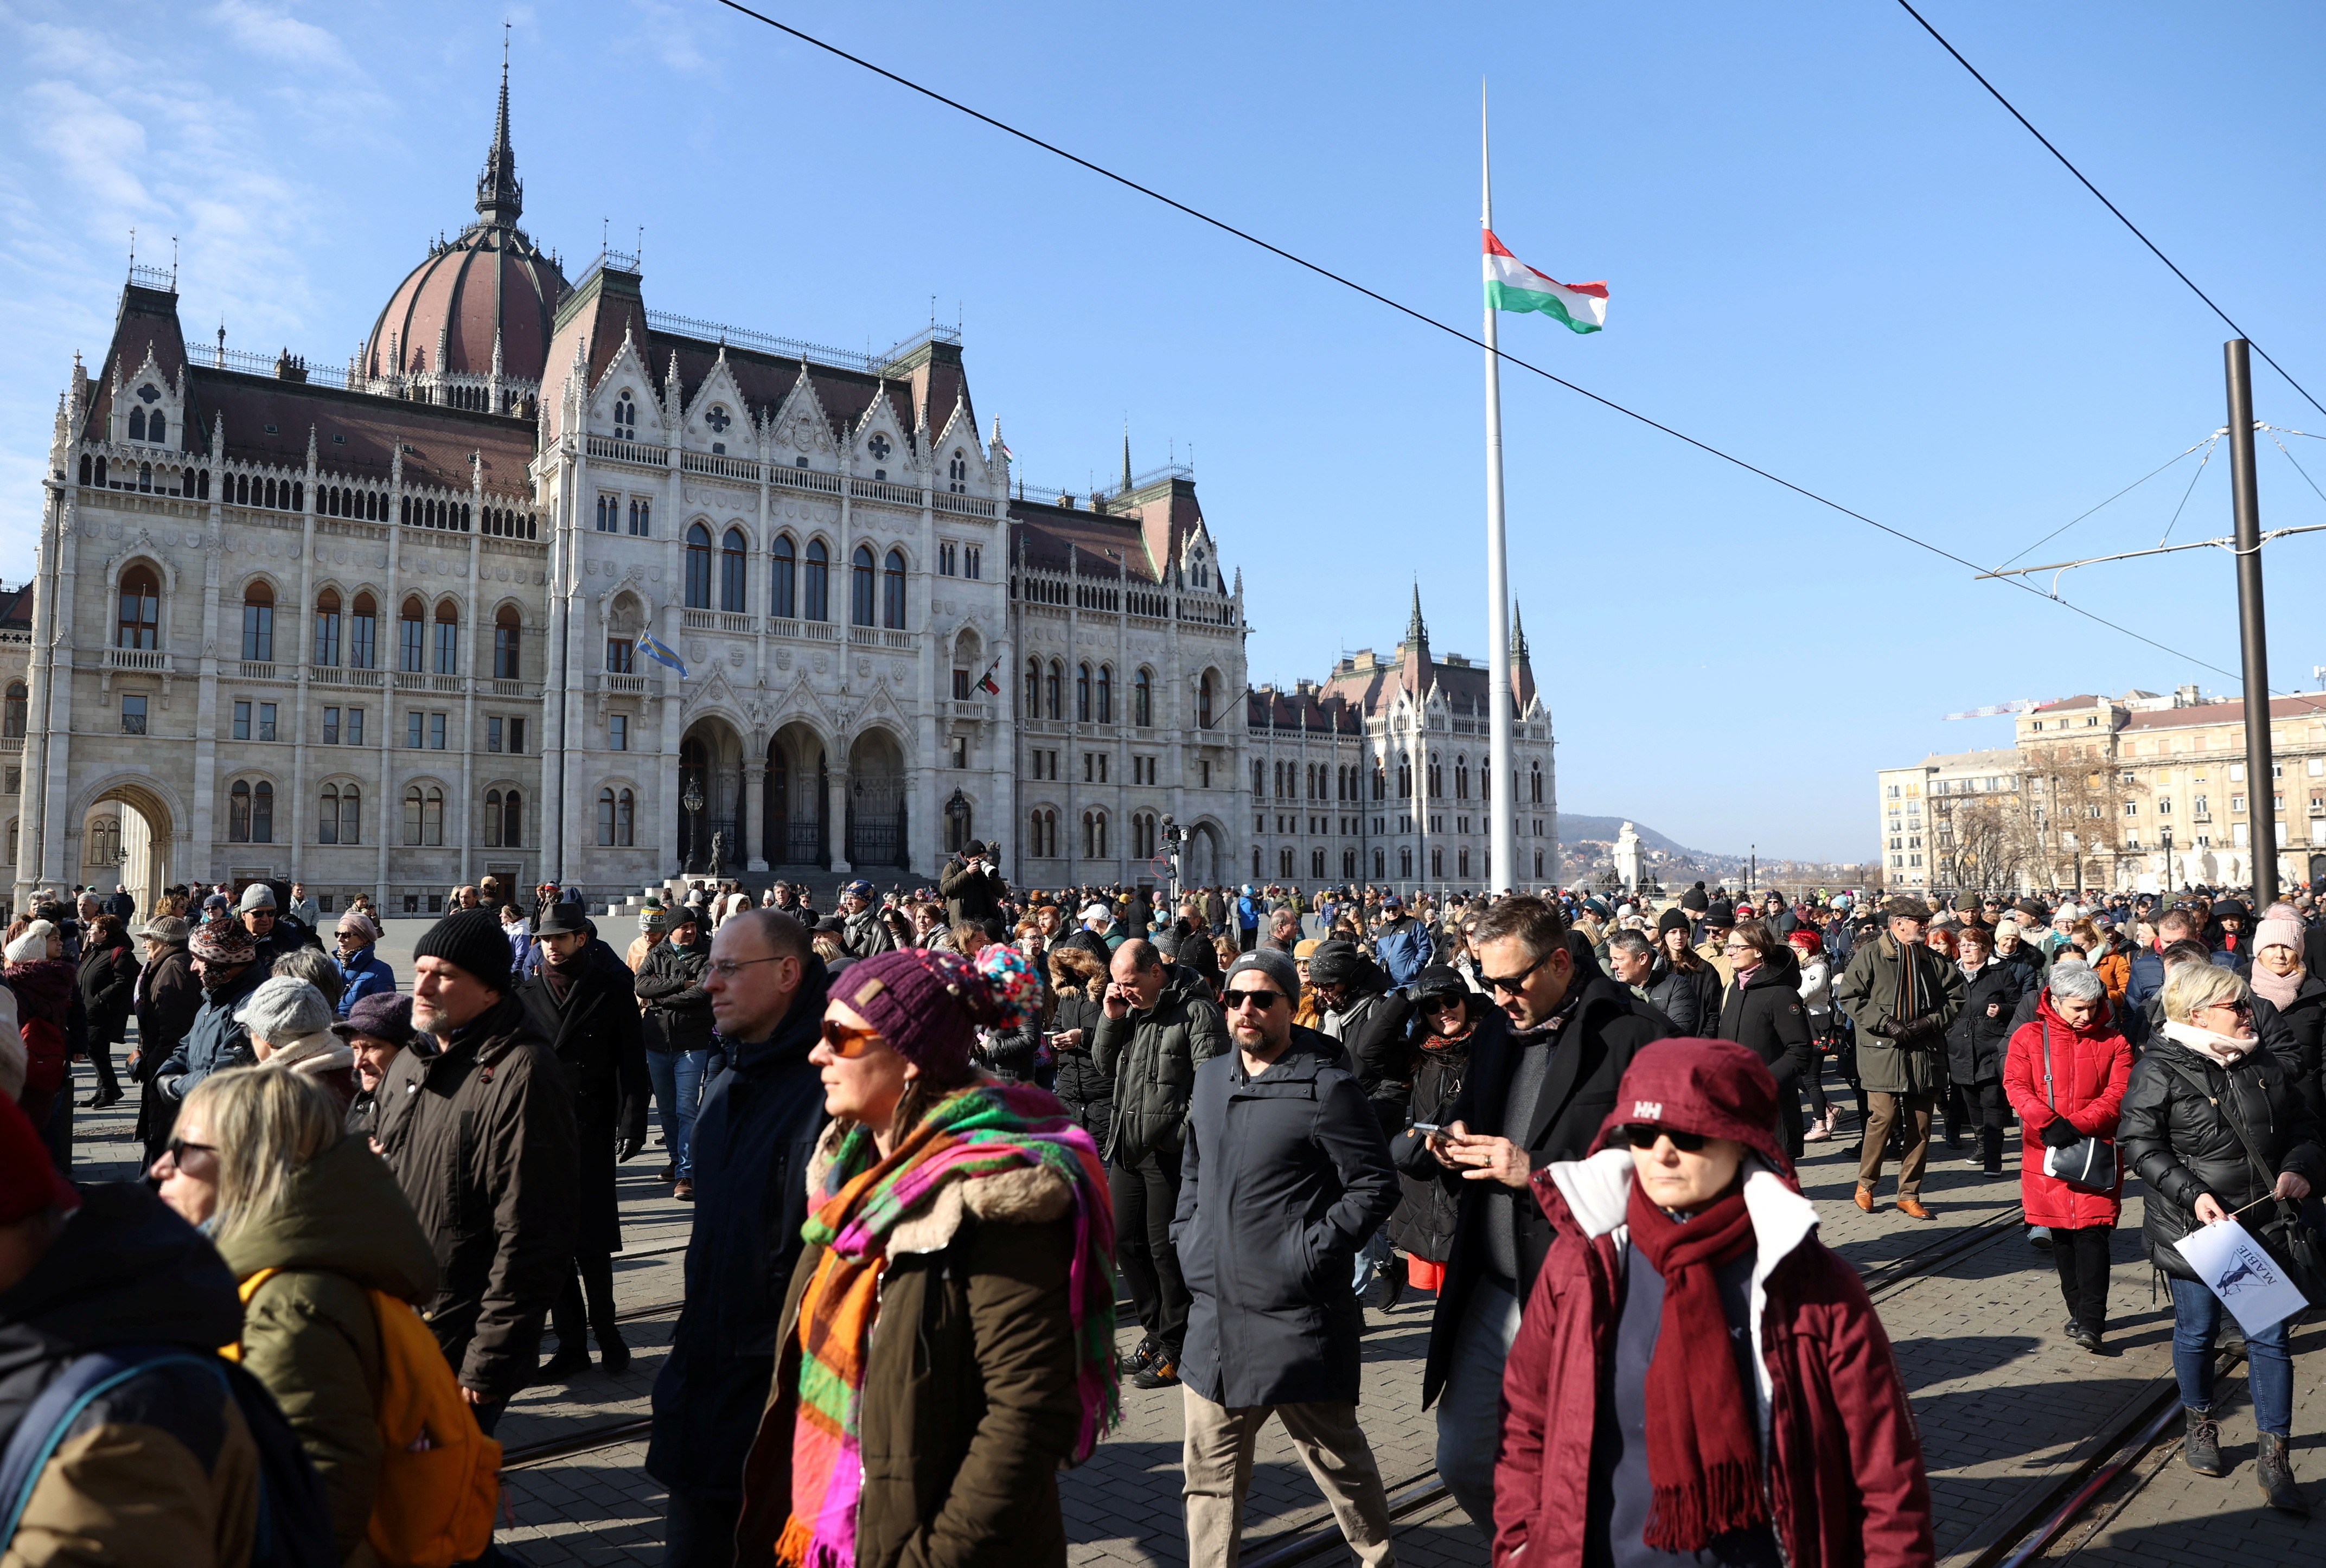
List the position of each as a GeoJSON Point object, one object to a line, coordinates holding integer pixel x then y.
{"type": "Point", "coordinates": [284, 1008]}
{"type": "Point", "coordinates": [1277, 966]}
{"type": "Point", "coordinates": [257, 895]}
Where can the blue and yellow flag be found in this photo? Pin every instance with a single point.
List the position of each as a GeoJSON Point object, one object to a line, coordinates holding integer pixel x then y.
{"type": "Point", "coordinates": [654, 649]}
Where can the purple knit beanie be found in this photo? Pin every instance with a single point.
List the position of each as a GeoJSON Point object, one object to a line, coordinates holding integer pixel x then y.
{"type": "Point", "coordinates": [928, 1003]}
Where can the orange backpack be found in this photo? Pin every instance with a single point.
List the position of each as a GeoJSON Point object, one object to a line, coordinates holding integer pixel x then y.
{"type": "Point", "coordinates": [439, 1476]}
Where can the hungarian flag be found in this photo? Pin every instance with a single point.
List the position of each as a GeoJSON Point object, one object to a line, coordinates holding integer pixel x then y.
{"type": "Point", "coordinates": [986, 683]}
{"type": "Point", "coordinates": [1512, 285]}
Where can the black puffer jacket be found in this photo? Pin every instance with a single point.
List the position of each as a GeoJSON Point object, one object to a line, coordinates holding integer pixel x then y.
{"type": "Point", "coordinates": [678, 1009]}
{"type": "Point", "coordinates": [1674, 995]}
{"type": "Point", "coordinates": [1152, 1057]}
{"type": "Point", "coordinates": [1086, 1092]}
{"type": "Point", "coordinates": [2295, 1032]}
{"type": "Point", "coordinates": [1977, 1039]}
{"type": "Point", "coordinates": [2182, 1146]}
{"type": "Point", "coordinates": [1767, 1015]}
{"type": "Point", "coordinates": [108, 984]}
{"type": "Point", "coordinates": [1374, 1030]}
{"type": "Point", "coordinates": [1430, 1207]}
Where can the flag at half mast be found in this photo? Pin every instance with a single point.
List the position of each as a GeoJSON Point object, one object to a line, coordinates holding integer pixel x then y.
{"type": "Point", "coordinates": [1512, 285]}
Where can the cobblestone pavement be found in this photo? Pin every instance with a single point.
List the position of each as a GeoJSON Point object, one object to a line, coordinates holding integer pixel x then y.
{"type": "Point", "coordinates": [2007, 1406]}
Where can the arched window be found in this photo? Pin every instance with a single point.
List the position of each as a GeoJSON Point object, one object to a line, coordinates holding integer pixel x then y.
{"type": "Point", "coordinates": [237, 813]}
{"type": "Point", "coordinates": [363, 622]}
{"type": "Point", "coordinates": [140, 625]}
{"type": "Point", "coordinates": [1404, 779]}
{"type": "Point", "coordinates": [1082, 693]}
{"type": "Point", "coordinates": [327, 628]}
{"type": "Point", "coordinates": [512, 819]}
{"type": "Point", "coordinates": [892, 591]}
{"type": "Point", "coordinates": [731, 572]}
{"type": "Point", "coordinates": [626, 418]}
{"type": "Point", "coordinates": [1033, 689]}
{"type": "Point", "coordinates": [1535, 781]}
{"type": "Point", "coordinates": [1284, 861]}
{"type": "Point", "coordinates": [1095, 835]}
{"type": "Point", "coordinates": [423, 817]}
{"type": "Point", "coordinates": [641, 517]}
{"type": "Point", "coordinates": [860, 598]}
{"type": "Point", "coordinates": [411, 635]}
{"type": "Point", "coordinates": [137, 424]}
{"type": "Point", "coordinates": [1460, 778]}
{"type": "Point", "coordinates": [624, 818]}
{"type": "Point", "coordinates": [13, 724]}
{"type": "Point", "coordinates": [605, 817]}
{"type": "Point", "coordinates": [448, 638]}
{"type": "Point", "coordinates": [1381, 867]}
{"type": "Point", "coordinates": [1106, 693]}
{"type": "Point", "coordinates": [1057, 693]}
{"type": "Point", "coordinates": [784, 588]}
{"type": "Point", "coordinates": [1316, 864]}
{"type": "Point", "coordinates": [157, 428]}
{"type": "Point", "coordinates": [351, 814]}
{"type": "Point", "coordinates": [492, 819]}
{"type": "Point", "coordinates": [262, 814]}
{"type": "Point", "coordinates": [1142, 698]}
{"type": "Point", "coordinates": [258, 623]}
{"type": "Point", "coordinates": [326, 816]}
{"type": "Point", "coordinates": [815, 584]}
{"type": "Point", "coordinates": [697, 567]}
{"type": "Point", "coordinates": [508, 627]}
{"type": "Point", "coordinates": [1405, 861]}
{"type": "Point", "coordinates": [956, 471]}
{"type": "Point", "coordinates": [1203, 702]}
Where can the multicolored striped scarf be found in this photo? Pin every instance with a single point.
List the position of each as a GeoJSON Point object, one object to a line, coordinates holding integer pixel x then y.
{"type": "Point", "coordinates": [984, 1129]}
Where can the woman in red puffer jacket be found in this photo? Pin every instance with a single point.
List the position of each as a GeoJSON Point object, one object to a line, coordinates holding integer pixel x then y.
{"type": "Point", "coordinates": [2077, 1097]}
{"type": "Point", "coordinates": [48, 989]}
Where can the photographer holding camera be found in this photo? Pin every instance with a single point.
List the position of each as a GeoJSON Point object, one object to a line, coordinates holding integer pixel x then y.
{"type": "Point", "coordinates": [971, 886]}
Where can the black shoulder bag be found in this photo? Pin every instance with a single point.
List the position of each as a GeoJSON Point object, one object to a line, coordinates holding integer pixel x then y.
{"type": "Point", "coordinates": [2289, 1238]}
{"type": "Point", "coordinates": [2088, 1164]}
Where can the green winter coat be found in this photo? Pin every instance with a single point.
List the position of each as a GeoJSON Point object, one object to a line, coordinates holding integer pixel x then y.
{"type": "Point", "coordinates": [309, 1332]}
{"type": "Point", "coordinates": [1901, 1055]}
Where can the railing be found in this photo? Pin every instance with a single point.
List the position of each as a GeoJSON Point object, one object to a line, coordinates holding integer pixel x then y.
{"type": "Point", "coordinates": [627, 683]}
{"type": "Point", "coordinates": [622, 451]}
{"type": "Point", "coordinates": [514, 689]}
{"type": "Point", "coordinates": [411, 681]}
{"type": "Point", "coordinates": [326, 676]}
{"type": "Point", "coordinates": [258, 670]}
{"type": "Point", "coordinates": [874, 637]}
{"type": "Point", "coordinates": [804, 480]}
{"type": "Point", "coordinates": [816, 631]}
{"type": "Point", "coordinates": [136, 659]}
{"type": "Point", "coordinates": [283, 367]}
{"type": "Point", "coordinates": [883, 490]}
{"type": "Point", "coordinates": [982, 711]}
{"type": "Point", "coordinates": [788, 347]}
{"type": "Point", "coordinates": [455, 684]}
{"type": "Point", "coordinates": [721, 465]}
{"type": "Point", "coordinates": [704, 620]}
{"type": "Point", "coordinates": [971, 506]}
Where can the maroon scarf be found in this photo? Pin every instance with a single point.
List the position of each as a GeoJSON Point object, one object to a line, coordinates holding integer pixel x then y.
{"type": "Point", "coordinates": [1703, 1461]}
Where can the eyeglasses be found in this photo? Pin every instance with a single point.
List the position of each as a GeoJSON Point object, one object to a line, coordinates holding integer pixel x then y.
{"type": "Point", "coordinates": [1264, 1000]}
{"type": "Point", "coordinates": [1514, 983]}
{"type": "Point", "coordinates": [1642, 1134]}
{"type": "Point", "coordinates": [847, 1042]}
{"type": "Point", "coordinates": [2242, 1008]}
{"type": "Point", "coordinates": [179, 1148]}
{"type": "Point", "coordinates": [1446, 1005]}
{"type": "Point", "coordinates": [726, 969]}
{"type": "Point", "coordinates": [1738, 947]}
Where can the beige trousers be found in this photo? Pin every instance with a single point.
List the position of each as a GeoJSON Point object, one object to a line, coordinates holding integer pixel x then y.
{"type": "Point", "coordinates": [1330, 1443]}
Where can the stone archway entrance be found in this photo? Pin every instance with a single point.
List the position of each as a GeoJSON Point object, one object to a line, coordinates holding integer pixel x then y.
{"type": "Point", "coordinates": [710, 800]}
{"type": "Point", "coordinates": [876, 802]}
{"type": "Point", "coordinates": [125, 838]}
{"type": "Point", "coordinates": [1199, 860]}
{"type": "Point", "coordinates": [792, 813]}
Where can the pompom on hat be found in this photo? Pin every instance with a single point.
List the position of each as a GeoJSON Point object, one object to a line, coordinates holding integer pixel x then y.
{"type": "Point", "coordinates": [928, 1002]}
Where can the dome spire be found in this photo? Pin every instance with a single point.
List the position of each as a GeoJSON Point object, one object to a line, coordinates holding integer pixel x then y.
{"type": "Point", "coordinates": [500, 195]}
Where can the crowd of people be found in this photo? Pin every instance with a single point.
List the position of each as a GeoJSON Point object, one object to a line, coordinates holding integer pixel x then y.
{"type": "Point", "coordinates": [926, 1136]}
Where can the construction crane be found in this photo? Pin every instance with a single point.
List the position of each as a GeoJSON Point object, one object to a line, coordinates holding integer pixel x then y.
{"type": "Point", "coordinates": [1998, 710]}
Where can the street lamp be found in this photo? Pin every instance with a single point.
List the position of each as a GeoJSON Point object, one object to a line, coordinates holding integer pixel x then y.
{"type": "Point", "coordinates": [2168, 862]}
{"type": "Point", "coordinates": [692, 801]}
{"type": "Point", "coordinates": [956, 810]}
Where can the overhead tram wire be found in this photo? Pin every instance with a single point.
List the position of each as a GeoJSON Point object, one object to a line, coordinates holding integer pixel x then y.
{"type": "Point", "coordinates": [2128, 490]}
{"type": "Point", "coordinates": [1453, 331]}
{"type": "Point", "coordinates": [2111, 206]}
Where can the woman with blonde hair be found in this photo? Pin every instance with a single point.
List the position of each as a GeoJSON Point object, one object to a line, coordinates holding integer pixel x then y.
{"type": "Point", "coordinates": [2214, 1125]}
{"type": "Point", "coordinates": [310, 1221]}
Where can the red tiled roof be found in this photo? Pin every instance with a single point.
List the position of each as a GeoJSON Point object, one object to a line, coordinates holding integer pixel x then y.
{"type": "Point", "coordinates": [2086, 701]}
{"type": "Point", "coordinates": [492, 279]}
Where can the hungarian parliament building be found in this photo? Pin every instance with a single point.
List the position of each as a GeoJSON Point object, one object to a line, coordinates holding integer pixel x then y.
{"type": "Point", "coordinates": [549, 584]}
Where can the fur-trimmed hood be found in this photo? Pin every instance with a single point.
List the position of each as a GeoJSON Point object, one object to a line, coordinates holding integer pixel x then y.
{"type": "Point", "coordinates": [1028, 1195]}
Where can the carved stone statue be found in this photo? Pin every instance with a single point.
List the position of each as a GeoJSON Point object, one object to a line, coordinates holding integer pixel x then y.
{"type": "Point", "coordinates": [718, 850]}
{"type": "Point", "coordinates": [1627, 856]}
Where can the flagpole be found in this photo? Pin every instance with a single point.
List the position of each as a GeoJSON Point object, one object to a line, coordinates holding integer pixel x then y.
{"type": "Point", "coordinates": [1502, 797]}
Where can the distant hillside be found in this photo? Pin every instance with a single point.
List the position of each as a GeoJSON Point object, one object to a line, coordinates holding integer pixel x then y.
{"type": "Point", "coordinates": [1576, 830]}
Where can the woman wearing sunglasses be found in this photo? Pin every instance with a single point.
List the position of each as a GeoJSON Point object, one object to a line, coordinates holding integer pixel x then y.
{"type": "Point", "coordinates": [1687, 1301]}
{"type": "Point", "coordinates": [310, 1221]}
{"type": "Point", "coordinates": [2214, 1123]}
{"type": "Point", "coordinates": [952, 1315]}
{"type": "Point", "coordinates": [1449, 1021]}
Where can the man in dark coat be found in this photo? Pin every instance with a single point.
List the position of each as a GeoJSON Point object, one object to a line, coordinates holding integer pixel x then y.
{"type": "Point", "coordinates": [479, 1134]}
{"type": "Point", "coordinates": [678, 1038]}
{"type": "Point", "coordinates": [972, 889]}
{"type": "Point", "coordinates": [753, 1136]}
{"type": "Point", "coordinates": [1903, 996]}
{"type": "Point", "coordinates": [1535, 1095]}
{"type": "Point", "coordinates": [169, 994]}
{"type": "Point", "coordinates": [1300, 1181]}
{"type": "Point", "coordinates": [579, 1000]}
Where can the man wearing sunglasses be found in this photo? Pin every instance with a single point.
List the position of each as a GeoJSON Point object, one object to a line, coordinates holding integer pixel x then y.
{"type": "Point", "coordinates": [1284, 1177]}
{"type": "Point", "coordinates": [1534, 1096]}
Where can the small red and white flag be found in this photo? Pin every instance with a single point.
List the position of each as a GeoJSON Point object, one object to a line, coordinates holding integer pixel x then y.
{"type": "Point", "coordinates": [986, 683]}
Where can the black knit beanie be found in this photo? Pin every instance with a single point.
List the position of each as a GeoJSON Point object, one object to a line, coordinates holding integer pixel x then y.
{"type": "Point", "coordinates": [472, 941]}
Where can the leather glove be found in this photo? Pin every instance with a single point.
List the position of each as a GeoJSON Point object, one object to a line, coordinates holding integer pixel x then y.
{"type": "Point", "coordinates": [631, 1121]}
{"type": "Point", "coordinates": [2060, 1133]}
{"type": "Point", "coordinates": [1886, 1028]}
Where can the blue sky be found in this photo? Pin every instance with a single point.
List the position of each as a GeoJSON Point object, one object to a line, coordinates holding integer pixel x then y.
{"type": "Point", "coordinates": [1828, 252]}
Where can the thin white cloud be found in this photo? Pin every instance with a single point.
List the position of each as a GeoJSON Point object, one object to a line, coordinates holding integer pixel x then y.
{"type": "Point", "coordinates": [275, 35]}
